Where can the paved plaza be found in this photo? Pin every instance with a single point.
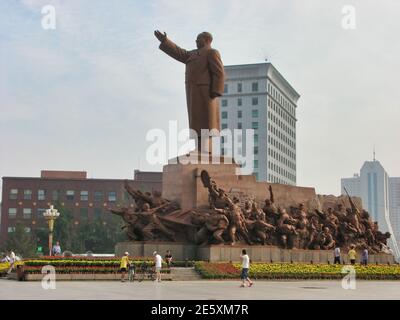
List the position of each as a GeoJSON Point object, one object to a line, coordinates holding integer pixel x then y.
{"type": "Point", "coordinates": [199, 290]}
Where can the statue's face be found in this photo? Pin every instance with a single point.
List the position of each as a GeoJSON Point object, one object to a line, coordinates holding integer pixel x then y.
{"type": "Point", "coordinates": [201, 41]}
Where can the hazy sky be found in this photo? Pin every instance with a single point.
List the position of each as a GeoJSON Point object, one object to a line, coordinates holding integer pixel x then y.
{"type": "Point", "coordinates": [83, 96]}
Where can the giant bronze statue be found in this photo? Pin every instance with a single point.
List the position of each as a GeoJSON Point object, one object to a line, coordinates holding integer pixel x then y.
{"type": "Point", "coordinates": [204, 80]}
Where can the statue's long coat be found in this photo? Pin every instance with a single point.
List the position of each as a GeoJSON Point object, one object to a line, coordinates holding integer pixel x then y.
{"type": "Point", "coordinates": [204, 75]}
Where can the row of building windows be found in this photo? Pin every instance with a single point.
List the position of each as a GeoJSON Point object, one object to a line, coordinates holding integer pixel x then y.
{"type": "Point", "coordinates": [281, 171]}
{"type": "Point", "coordinates": [287, 128]}
{"type": "Point", "coordinates": [239, 87]}
{"type": "Point", "coordinates": [281, 147]}
{"type": "Point", "coordinates": [69, 195]}
{"type": "Point", "coordinates": [27, 213]}
{"type": "Point", "coordinates": [254, 102]}
{"type": "Point", "coordinates": [275, 93]}
{"type": "Point", "coordinates": [254, 125]}
{"type": "Point", "coordinates": [274, 179]}
{"type": "Point", "coordinates": [274, 130]}
{"type": "Point", "coordinates": [254, 114]}
{"type": "Point", "coordinates": [277, 156]}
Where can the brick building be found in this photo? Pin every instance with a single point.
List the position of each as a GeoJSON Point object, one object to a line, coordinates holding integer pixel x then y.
{"type": "Point", "coordinates": [24, 199]}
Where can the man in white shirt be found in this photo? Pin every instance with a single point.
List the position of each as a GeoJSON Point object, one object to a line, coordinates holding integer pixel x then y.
{"type": "Point", "coordinates": [158, 264]}
{"type": "Point", "coordinates": [245, 269]}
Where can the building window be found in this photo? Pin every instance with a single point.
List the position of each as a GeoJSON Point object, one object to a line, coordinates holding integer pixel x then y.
{"type": "Point", "coordinates": [255, 164]}
{"type": "Point", "coordinates": [254, 113]}
{"type": "Point", "coordinates": [70, 194]}
{"type": "Point", "coordinates": [239, 101]}
{"type": "Point", "coordinates": [224, 102]}
{"type": "Point", "coordinates": [254, 86]}
{"type": "Point", "coordinates": [27, 213]}
{"type": "Point", "coordinates": [239, 113]}
{"type": "Point", "coordinates": [255, 150]}
{"type": "Point", "coordinates": [97, 213]}
{"type": "Point", "coordinates": [239, 87]}
{"type": "Point", "coordinates": [239, 125]}
{"type": "Point", "coordinates": [84, 195]}
{"type": "Point", "coordinates": [224, 126]}
{"type": "Point", "coordinates": [12, 213]}
{"type": "Point", "coordinates": [41, 194]}
{"type": "Point", "coordinates": [40, 213]}
{"type": "Point", "coordinates": [98, 196]}
{"type": "Point", "coordinates": [224, 115]}
{"type": "Point", "coordinates": [27, 194]}
{"type": "Point", "coordinates": [254, 101]}
{"type": "Point", "coordinates": [84, 213]}
{"type": "Point", "coordinates": [254, 125]}
{"type": "Point", "coordinates": [112, 196]}
{"type": "Point", "coordinates": [13, 194]}
{"type": "Point", "coordinates": [255, 138]}
{"type": "Point", "coordinates": [56, 195]}
{"type": "Point", "coordinates": [11, 229]}
{"type": "Point", "coordinates": [225, 88]}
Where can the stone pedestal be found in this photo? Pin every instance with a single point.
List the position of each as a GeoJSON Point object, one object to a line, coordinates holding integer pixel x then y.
{"type": "Point", "coordinates": [182, 183]}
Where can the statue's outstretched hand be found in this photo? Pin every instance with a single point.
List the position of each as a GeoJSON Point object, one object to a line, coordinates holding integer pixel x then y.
{"type": "Point", "coordinates": [160, 36]}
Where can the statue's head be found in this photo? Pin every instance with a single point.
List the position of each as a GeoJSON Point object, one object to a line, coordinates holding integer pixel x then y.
{"type": "Point", "coordinates": [204, 39]}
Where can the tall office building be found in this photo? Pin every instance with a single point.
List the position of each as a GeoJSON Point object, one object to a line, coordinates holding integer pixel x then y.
{"type": "Point", "coordinates": [394, 206]}
{"type": "Point", "coordinates": [372, 186]}
{"type": "Point", "coordinates": [258, 97]}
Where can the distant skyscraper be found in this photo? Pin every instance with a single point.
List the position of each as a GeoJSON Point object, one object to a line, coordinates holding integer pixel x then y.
{"type": "Point", "coordinates": [372, 186]}
{"type": "Point", "coordinates": [394, 206]}
{"type": "Point", "coordinates": [258, 97]}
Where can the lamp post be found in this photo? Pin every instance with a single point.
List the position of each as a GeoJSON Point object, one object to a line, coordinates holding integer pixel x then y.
{"type": "Point", "coordinates": [51, 215]}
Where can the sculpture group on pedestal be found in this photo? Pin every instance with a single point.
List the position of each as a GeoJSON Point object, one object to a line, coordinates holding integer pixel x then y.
{"type": "Point", "coordinates": [230, 220]}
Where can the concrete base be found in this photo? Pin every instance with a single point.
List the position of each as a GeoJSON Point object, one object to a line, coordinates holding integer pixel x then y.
{"type": "Point", "coordinates": [179, 251]}
{"type": "Point", "coordinates": [219, 253]}
{"type": "Point", "coordinates": [182, 183]}
{"type": "Point", "coordinates": [272, 254]}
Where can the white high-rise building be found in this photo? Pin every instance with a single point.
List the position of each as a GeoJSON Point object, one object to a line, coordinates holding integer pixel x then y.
{"type": "Point", "coordinates": [372, 186]}
{"type": "Point", "coordinates": [394, 206]}
{"type": "Point", "coordinates": [258, 97]}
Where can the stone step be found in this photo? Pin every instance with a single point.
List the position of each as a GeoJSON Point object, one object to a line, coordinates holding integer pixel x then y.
{"type": "Point", "coordinates": [184, 274]}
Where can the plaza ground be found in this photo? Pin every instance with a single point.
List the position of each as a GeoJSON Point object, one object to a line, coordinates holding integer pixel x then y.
{"type": "Point", "coordinates": [199, 290]}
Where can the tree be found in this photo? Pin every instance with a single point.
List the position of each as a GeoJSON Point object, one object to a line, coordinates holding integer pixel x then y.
{"type": "Point", "coordinates": [21, 242]}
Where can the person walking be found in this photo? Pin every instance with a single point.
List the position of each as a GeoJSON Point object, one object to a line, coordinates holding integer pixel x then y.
{"type": "Point", "coordinates": [336, 256]}
{"type": "Point", "coordinates": [168, 258]}
{"type": "Point", "coordinates": [364, 257]}
{"type": "Point", "coordinates": [352, 254]}
{"type": "Point", "coordinates": [158, 264]}
{"type": "Point", "coordinates": [12, 258]}
{"type": "Point", "coordinates": [245, 269]}
{"type": "Point", "coordinates": [124, 266]}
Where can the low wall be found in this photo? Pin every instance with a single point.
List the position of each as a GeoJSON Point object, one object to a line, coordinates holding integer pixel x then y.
{"type": "Point", "coordinates": [179, 251]}
{"type": "Point", "coordinates": [215, 253]}
{"type": "Point", "coordinates": [273, 254]}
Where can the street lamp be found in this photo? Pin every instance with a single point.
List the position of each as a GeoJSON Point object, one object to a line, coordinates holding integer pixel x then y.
{"type": "Point", "coordinates": [51, 215]}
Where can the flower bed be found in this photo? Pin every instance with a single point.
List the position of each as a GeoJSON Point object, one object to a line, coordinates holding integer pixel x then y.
{"type": "Point", "coordinates": [90, 265]}
{"type": "Point", "coordinates": [296, 271]}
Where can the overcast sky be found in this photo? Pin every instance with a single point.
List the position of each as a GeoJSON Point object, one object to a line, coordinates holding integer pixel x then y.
{"type": "Point", "coordinates": [83, 96]}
